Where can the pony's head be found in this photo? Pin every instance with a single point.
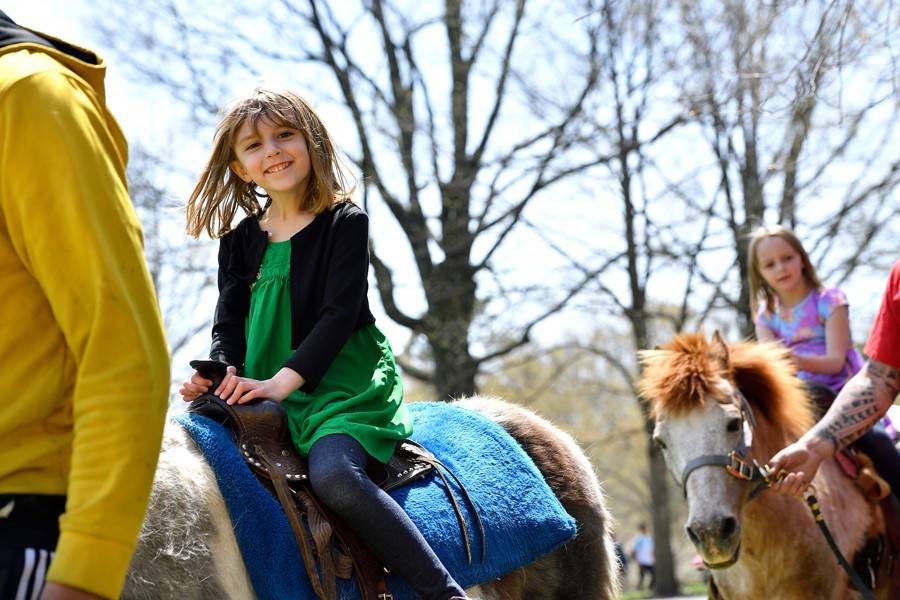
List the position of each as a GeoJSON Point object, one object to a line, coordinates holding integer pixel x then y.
{"type": "Point", "coordinates": [708, 399]}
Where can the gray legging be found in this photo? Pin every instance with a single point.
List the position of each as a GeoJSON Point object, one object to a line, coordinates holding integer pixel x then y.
{"type": "Point", "coordinates": [337, 473]}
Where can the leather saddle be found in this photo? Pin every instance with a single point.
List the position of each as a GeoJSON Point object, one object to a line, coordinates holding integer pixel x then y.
{"type": "Point", "coordinates": [857, 466]}
{"type": "Point", "coordinates": [261, 433]}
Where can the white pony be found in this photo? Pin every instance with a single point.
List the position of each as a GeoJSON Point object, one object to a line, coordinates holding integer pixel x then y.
{"type": "Point", "coordinates": [187, 549]}
{"type": "Point", "coordinates": [709, 399]}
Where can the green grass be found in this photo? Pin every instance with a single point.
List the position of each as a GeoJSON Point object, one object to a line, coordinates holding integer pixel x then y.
{"type": "Point", "coordinates": [689, 589]}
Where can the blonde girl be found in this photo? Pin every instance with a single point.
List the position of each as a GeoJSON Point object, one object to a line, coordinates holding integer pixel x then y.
{"type": "Point", "coordinates": [792, 305]}
{"type": "Point", "coordinates": [293, 322]}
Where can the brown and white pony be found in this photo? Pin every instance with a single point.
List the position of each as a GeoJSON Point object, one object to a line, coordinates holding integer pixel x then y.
{"type": "Point", "coordinates": [763, 547]}
{"type": "Point", "coordinates": [187, 549]}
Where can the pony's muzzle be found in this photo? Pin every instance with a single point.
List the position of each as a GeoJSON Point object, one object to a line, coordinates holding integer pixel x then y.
{"type": "Point", "coordinates": [716, 538]}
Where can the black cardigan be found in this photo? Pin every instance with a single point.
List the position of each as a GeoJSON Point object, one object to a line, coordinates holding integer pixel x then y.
{"type": "Point", "coordinates": [328, 282]}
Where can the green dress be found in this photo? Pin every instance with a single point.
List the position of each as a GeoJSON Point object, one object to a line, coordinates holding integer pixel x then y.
{"type": "Point", "coordinates": [360, 394]}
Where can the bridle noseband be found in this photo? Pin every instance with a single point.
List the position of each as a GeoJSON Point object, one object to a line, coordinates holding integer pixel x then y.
{"type": "Point", "coordinates": [737, 462]}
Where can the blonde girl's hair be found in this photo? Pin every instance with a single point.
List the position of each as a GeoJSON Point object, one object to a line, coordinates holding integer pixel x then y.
{"type": "Point", "coordinates": [760, 291]}
{"type": "Point", "coordinates": [220, 192]}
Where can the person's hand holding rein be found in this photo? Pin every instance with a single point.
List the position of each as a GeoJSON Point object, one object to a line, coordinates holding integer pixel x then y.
{"type": "Point", "coordinates": [239, 390]}
{"type": "Point", "coordinates": [796, 466]}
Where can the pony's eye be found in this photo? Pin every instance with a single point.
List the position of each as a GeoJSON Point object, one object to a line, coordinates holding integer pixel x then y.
{"type": "Point", "coordinates": [734, 424]}
{"type": "Point", "coordinates": [659, 442]}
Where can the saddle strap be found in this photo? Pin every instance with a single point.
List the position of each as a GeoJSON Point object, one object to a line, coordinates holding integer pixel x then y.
{"type": "Point", "coordinates": [323, 588]}
{"type": "Point", "coordinates": [424, 455]}
{"type": "Point", "coordinates": [316, 547]}
{"type": "Point", "coordinates": [872, 484]}
{"type": "Point", "coordinates": [338, 559]}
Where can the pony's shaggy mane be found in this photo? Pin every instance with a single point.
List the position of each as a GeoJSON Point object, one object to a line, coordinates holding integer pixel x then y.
{"type": "Point", "coordinates": [681, 374]}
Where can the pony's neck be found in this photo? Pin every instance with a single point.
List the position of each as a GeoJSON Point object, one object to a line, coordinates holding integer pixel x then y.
{"type": "Point", "coordinates": [768, 439]}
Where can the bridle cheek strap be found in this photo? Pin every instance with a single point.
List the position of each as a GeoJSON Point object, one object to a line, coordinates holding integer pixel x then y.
{"type": "Point", "coordinates": [737, 462]}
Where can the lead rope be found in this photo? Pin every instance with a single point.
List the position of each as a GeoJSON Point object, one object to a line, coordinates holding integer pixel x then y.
{"type": "Point", "coordinates": [813, 504]}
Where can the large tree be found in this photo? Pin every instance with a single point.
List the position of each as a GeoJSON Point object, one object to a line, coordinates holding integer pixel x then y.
{"type": "Point", "coordinates": [459, 124]}
{"type": "Point", "coordinates": [796, 104]}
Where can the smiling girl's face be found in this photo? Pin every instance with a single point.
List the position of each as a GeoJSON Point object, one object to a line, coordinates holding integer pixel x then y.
{"type": "Point", "coordinates": [275, 157]}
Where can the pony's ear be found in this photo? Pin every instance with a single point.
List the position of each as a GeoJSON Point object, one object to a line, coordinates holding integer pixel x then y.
{"type": "Point", "coordinates": [719, 352]}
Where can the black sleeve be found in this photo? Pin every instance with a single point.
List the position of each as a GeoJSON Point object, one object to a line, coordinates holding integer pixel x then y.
{"type": "Point", "coordinates": [229, 343]}
{"type": "Point", "coordinates": [346, 283]}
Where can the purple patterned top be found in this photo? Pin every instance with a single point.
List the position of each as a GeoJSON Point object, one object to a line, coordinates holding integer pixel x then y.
{"type": "Point", "coordinates": [802, 329]}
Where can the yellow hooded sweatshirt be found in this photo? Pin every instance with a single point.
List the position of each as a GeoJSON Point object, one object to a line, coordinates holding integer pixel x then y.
{"type": "Point", "coordinates": [84, 368]}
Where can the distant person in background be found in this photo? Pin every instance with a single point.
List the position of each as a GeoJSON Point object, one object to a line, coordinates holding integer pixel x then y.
{"type": "Point", "coordinates": [642, 551]}
{"type": "Point", "coordinates": [792, 306]}
{"type": "Point", "coordinates": [83, 357]}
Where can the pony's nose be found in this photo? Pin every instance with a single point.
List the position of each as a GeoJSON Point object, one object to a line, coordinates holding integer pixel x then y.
{"type": "Point", "coordinates": [692, 534]}
{"type": "Point", "coordinates": [715, 531]}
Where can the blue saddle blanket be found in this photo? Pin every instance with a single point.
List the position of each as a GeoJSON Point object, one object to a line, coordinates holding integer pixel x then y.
{"type": "Point", "coordinates": [522, 518]}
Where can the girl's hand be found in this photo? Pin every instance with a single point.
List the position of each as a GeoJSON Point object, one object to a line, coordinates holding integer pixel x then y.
{"type": "Point", "coordinates": [194, 387]}
{"type": "Point", "coordinates": [228, 382]}
{"type": "Point", "coordinates": [238, 390]}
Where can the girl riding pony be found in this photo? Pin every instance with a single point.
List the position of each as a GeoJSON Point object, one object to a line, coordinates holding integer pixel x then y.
{"type": "Point", "coordinates": [792, 306]}
{"type": "Point", "coordinates": [292, 320]}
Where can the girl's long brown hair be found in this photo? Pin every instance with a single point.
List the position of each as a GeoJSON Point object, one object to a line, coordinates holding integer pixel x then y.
{"type": "Point", "coordinates": [220, 192]}
{"type": "Point", "coordinates": [759, 289]}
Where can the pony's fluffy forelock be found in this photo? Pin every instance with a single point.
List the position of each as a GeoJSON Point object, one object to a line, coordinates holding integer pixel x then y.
{"type": "Point", "coordinates": [680, 375]}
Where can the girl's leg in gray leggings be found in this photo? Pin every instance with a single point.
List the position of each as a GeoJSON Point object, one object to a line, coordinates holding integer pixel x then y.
{"type": "Point", "coordinates": [337, 473]}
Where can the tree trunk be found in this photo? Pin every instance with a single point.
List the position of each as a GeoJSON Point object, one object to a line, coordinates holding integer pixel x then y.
{"type": "Point", "coordinates": [455, 370]}
{"type": "Point", "coordinates": [666, 581]}
{"type": "Point", "coordinates": [451, 299]}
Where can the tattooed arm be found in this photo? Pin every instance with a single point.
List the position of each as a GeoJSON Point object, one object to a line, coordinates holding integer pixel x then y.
{"type": "Point", "coordinates": [862, 402]}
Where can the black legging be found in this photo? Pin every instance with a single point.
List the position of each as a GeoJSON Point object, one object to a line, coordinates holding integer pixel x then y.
{"type": "Point", "coordinates": [337, 473]}
{"type": "Point", "coordinates": [879, 446]}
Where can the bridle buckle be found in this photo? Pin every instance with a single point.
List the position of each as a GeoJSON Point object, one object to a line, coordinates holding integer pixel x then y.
{"type": "Point", "coordinates": [739, 467]}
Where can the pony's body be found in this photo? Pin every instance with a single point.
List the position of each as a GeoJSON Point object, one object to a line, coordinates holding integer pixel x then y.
{"type": "Point", "coordinates": [187, 549]}
{"type": "Point", "coordinates": [770, 546]}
